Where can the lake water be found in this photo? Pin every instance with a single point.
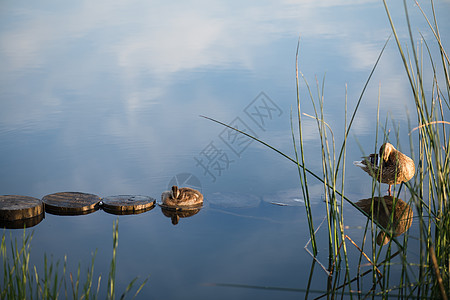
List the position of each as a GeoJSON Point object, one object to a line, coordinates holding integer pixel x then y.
{"type": "Point", "coordinates": [106, 97]}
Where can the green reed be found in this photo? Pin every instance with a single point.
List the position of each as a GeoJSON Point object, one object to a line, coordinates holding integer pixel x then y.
{"type": "Point", "coordinates": [431, 187]}
{"type": "Point", "coordinates": [429, 190]}
{"type": "Point", "coordinates": [333, 160]}
{"type": "Point", "coordinates": [20, 281]}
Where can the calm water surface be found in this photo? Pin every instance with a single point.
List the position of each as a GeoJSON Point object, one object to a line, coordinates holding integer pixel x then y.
{"type": "Point", "coordinates": [105, 97]}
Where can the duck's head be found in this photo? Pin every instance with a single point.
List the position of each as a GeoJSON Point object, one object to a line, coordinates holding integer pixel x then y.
{"type": "Point", "coordinates": [175, 192]}
{"type": "Point", "coordinates": [385, 151]}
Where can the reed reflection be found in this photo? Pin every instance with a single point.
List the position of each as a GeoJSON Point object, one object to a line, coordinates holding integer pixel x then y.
{"type": "Point", "coordinates": [394, 214]}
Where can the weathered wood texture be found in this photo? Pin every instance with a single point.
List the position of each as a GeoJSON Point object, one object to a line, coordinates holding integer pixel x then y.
{"type": "Point", "coordinates": [15, 207]}
{"type": "Point", "coordinates": [127, 204]}
{"type": "Point", "coordinates": [71, 203]}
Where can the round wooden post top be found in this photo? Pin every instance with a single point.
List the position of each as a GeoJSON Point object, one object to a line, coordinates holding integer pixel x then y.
{"type": "Point", "coordinates": [127, 204]}
{"type": "Point", "coordinates": [71, 203]}
{"type": "Point", "coordinates": [15, 207]}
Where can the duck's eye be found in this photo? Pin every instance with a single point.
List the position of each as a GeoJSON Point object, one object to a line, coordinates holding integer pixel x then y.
{"type": "Point", "coordinates": [374, 159]}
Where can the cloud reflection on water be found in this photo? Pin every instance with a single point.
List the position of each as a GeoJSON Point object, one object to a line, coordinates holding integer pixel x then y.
{"type": "Point", "coordinates": [131, 79]}
{"type": "Point", "coordinates": [104, 97]}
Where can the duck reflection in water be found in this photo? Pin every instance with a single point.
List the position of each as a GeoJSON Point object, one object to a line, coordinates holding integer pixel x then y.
{"type": "Point", "coordinates": [394, 167]}
{"type": "Point", "coordinates": [383, 211]}
{"type": "Point", "coordinates": [176, 214]}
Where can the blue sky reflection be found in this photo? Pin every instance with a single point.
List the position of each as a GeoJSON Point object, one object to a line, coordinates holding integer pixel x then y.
{"type": "Point", "coordinates": [105, 96]}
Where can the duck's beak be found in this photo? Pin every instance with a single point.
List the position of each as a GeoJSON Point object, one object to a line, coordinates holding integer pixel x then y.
{"type": "Point", "coordinates": [359, 164]}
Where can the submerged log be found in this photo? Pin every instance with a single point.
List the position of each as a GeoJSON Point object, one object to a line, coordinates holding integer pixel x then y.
{"type": "Point", "coordinates": [71, 203]}
{"type": "Point", "coordinates": [127, 204]}
{"type": "Point", "coordinates": [15, 207]}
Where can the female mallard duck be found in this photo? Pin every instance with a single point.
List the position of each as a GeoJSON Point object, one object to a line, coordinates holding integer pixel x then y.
{"type": "Point", "coordinates": [394, 168]}
{"type": "Point", "coordinates": [382, 211]}
{"type": "Point", "coordinates": [182, 197]}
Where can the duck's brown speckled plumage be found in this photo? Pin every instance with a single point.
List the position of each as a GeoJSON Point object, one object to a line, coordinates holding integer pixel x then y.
{"type": "Point", "coordinates": [182, 197]}
{"type": "Point", "coordinates": [382, 211]}
{"type": "Point", "coordinates": [394, 168]}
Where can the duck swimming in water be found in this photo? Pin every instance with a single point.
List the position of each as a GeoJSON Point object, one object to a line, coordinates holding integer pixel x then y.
{"type": "Point", "coordinates": [394, 167]}
{"type": "Point", "coordinates": [182, 197]}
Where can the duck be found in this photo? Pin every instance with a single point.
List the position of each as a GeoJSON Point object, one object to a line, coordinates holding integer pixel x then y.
{"type": "Point", "coordinates": [182, 197]}
{"type": "Point", "coordinates": [382, 211]}
{"type": "Point", "coordinates": [394, 167]}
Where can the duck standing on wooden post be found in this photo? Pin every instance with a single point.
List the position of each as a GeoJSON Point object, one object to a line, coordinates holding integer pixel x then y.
{"type": "Point", "coordinates": [394, 167]}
